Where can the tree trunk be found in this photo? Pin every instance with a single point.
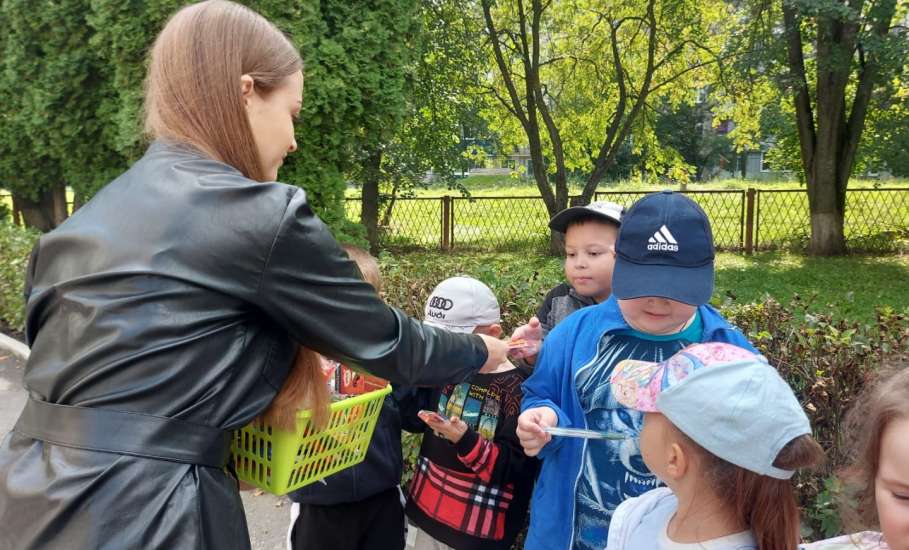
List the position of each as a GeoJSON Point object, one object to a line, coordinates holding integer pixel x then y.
{"type": "Point", "coordinates": [389, 208]}
{"type": "Point", "coordinates": [830, 139]}
{"type": "Point", "coordinates": [827, 202]}
{"type": "Point", "coordinates": [827, 237]}
{"type": "Point", "coordinates": [369, 208]}
{"type": "Point", "coordinates": [556, 243]}
{"type": "Point", "coordinates": [47, 212]}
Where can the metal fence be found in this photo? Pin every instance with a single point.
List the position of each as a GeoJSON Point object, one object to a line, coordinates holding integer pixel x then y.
{"type": "Point", "coordinates": [752, 219]}
{"type": "Point", "coordinates": [743, 220]}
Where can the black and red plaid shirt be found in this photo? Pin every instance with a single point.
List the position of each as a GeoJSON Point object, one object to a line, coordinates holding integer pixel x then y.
{"type": "Point", "coordinates": [474, 495]}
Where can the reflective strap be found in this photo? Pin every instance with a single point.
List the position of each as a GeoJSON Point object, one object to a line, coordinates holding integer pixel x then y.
{"type": "Point", "coordinates": [126, 433]}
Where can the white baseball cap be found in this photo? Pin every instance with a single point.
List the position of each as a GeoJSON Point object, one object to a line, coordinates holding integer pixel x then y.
{"type": "Point", "coordinates": [461, 304]}
{"type": "Point", "coordinates": [607, 211]}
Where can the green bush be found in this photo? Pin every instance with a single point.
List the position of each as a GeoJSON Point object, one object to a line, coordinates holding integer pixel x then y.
{"type": "Point", "coordinates": [16, 244]}
{"type": "Point", "coordinates": [827, 361]}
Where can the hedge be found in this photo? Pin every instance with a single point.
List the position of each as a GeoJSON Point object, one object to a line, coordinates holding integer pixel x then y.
{"type": "Point", "coordinates": [15, 245]}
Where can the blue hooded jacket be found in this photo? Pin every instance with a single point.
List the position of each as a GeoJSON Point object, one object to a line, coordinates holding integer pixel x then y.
{"type": "Point", "coordinates": [573, 343]}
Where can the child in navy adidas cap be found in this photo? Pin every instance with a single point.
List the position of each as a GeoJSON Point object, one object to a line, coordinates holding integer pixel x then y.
{"type": "Point", "coordinates": [662, 281]}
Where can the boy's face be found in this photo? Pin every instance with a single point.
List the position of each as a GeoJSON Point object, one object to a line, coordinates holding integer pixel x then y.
{"type": "Point", "coordinates": [654, 315]}
{"type": "Point", "coordinates": [590, 257]}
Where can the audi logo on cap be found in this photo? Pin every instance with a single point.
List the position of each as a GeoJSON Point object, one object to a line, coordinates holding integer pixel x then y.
{"type": "Point", "coordinates": [438, 302]}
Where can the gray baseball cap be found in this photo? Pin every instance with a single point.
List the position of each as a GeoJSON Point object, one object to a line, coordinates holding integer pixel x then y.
{"type": "Point", "coordinates": [461, 304]}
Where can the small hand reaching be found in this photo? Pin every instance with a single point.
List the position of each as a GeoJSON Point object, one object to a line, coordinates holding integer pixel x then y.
{"type": "Point", "coordinates": [531, 338]}
{"type": "Point", "coordinates": [530, 428]}
{"type": "Point", "coordinates": [452, 429]}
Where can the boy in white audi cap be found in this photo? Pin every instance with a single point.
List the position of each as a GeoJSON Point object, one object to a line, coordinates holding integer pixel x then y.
{"type": "Point", "coordinates": [472, 481]}
{"type": "Point", "coordinates": [661, 286]}
{"type": "Point", "coordinates": [590, 234]}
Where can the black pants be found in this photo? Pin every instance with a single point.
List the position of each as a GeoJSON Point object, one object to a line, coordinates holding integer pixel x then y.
{"type": "Point", "coordinates": [376, 523]}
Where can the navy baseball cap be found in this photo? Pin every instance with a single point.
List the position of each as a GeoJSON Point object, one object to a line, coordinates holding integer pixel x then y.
{"type": "Point", "coordinates": [665, 249]}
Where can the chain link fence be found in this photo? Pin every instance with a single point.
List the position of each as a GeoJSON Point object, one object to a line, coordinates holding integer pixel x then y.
{"type": "Point", "coordinates": [877, 220]}
{"type": "Point", "coordinates": [752, 219]}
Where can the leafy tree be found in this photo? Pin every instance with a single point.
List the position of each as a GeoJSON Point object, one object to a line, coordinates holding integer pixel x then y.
{"type": "Point", "coordinates": [853, 51]}
{"type": "Point", "coordinates": [52, 135]}
{"type": "Point", "coordinates": [688, 129]}
{"type": "Point", "coordinates": [72, 74]}
{"type": "Point", "coordinates": [575, 79]}
{"type": "Point", "coordinates": [436, 111]}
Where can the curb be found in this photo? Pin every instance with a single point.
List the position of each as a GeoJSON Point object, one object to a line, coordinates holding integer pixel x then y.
{"type": "Point", "coordinates": [14, 346]}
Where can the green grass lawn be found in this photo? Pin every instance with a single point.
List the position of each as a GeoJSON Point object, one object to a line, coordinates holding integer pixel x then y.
{"type": "Point", "coordinates": [847, 287]}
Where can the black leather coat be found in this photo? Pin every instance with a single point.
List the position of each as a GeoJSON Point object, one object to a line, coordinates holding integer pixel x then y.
{"type": "Point", "coordinates": [179, 291]}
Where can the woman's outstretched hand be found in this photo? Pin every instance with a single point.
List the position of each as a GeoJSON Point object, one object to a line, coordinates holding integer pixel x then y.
{"type": "Point", "coordinates": [497, 353]}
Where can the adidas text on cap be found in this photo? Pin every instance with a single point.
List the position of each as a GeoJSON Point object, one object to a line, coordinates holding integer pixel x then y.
{"type": "Point", "coordinates": [609, 212]}
{"type": "Point", "coordinates": [665, 249]}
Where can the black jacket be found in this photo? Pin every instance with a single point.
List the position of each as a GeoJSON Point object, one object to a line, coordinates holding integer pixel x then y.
{"type": "Point", "coordinates": [180, 291]}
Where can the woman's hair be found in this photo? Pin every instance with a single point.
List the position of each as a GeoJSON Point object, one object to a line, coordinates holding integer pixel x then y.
{"type": "Point", "coordinates": [766, 505]}
{"type": "Point", "coordinates": [306, 387]}
{"type": "Point", "coordinates": [193, 93]}
{"type": "Point", "coordinates": [884, 400]}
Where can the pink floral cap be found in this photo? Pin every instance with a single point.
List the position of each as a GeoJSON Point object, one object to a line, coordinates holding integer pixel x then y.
{"type": "Point", "coordinates": [637, 384]}
{"type": "Point", "coordinates": [726, 399]}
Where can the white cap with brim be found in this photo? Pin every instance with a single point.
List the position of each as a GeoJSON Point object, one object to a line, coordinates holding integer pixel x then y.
{"type": "Point", "coordinates": [609, 212]}
{"type": "Point", "coordinates": [461, 304]}
{"type": "Point", "coordinates": [725, 398]}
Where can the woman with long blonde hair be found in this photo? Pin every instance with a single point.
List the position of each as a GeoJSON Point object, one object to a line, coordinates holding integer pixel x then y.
{"type": "Point", "coordinates": [167, 311]}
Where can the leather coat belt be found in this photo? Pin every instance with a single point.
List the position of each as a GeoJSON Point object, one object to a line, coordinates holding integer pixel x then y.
{"type": "Point", "coordinates": [126, 433]}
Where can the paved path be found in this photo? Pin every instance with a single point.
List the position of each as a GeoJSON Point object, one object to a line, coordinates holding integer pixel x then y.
{"type": "Point", "coordinates": [266, 515]}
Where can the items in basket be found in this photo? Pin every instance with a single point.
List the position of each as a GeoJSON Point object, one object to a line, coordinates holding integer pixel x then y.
{"type": "Point", "coordinates": [348, 381]}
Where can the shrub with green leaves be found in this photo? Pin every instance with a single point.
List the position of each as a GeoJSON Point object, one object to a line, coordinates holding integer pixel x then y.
{"type": "Point", "coordinates": [16, 244]}
{"type": "Point", "coordinates": [827, 362]}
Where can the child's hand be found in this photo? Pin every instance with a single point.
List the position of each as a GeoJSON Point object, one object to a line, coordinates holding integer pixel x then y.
{"type": "Point", "coordinates": [452, 429]}
{"type": "Point", "coordinates": [532, 335]}
{"type": "Point", "coordinates": [530, 428]}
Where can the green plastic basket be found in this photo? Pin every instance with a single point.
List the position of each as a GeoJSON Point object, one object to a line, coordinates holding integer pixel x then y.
{"type": "Point", "coordinates": [279, 461]}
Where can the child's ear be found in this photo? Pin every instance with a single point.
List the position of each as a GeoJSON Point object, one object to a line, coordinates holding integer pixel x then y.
{"type": "Point", "coordinates": [676, 462]}
{"type": "Point", "coordinates": [495, 330]}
